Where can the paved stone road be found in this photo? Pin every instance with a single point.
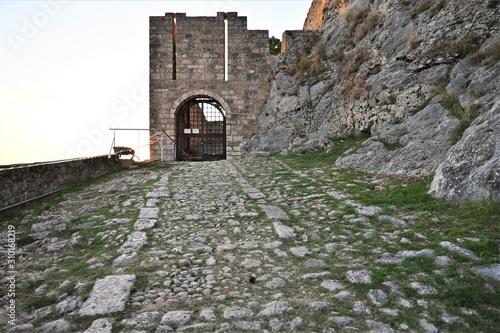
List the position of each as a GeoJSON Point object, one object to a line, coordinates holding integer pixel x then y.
{"type": "Point", "coordinates": [247, 245]}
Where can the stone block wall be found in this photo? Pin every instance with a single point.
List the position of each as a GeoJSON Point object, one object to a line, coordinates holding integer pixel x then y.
{"type": "Point", "coordinates": [25, 183]}
{"type": "Point", "coordinates": [187, 60]}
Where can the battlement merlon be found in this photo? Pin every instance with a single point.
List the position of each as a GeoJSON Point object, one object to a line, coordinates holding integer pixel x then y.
{"type": "Point", "coordinates": [234, 21]}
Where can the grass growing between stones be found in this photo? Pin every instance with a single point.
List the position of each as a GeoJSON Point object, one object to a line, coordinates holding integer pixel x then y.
{"type": "Point", "coordinates": [459, 296]}
{"type": "Point", "coordinates": [346, 221]}
{"type": "Point", "coordinates": [77, 210]}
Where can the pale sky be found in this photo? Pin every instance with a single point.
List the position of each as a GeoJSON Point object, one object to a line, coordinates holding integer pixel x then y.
{"type": "Point", "coordinates": [70, 70]}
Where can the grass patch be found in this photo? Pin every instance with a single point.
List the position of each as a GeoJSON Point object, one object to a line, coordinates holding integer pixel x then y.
{"type": "Point", "coordinates": [467, 291]}
{"type": "Point", "coordinates": [451, 103]}
{"type": "Point", "coordinates": [308, 70]}
{"type": "Point", "coordinates": [30, 301]}
{"type": "Point", "coordinates": [324, 158]}
{"type": "Point", "coordinates": [459, 47]}
{"type": "Point", "coordinates": [488, 57]}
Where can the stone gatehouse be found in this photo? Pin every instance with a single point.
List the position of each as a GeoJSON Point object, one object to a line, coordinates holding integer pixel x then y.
{"type": "Point", "coordinates": [209, 79]}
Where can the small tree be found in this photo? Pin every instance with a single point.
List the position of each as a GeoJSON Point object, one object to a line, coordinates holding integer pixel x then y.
{"type": "Point", "coordinates": [274, 46]}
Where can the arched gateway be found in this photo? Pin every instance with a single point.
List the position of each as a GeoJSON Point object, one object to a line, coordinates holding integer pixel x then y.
{"type": "Point", "coordinates": [201, 130]}
{"type": "Point", "coordinates": [209, 79]}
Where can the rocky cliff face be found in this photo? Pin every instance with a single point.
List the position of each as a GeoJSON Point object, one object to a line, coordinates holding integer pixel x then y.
{"type": "Point", "coordinates": [415, 74]}
{"type": "Point", "coordinates": [316, 15]}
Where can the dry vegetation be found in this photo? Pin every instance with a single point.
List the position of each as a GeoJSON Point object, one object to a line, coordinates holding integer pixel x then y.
{"type": "Point", "coordinates": [413, 41]}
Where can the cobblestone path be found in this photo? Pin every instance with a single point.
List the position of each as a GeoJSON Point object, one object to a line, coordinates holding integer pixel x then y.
{"type": "Point", "coordinates": [236, 246]}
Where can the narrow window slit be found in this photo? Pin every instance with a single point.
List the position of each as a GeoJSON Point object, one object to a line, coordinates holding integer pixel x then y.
{"type": "Point", "coordinates": [174, 48]}
{"type": "Point", "coordinates": [225, 49]}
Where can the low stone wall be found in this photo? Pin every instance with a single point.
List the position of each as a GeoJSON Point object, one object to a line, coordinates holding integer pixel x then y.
{"type": "Point", "coordinates": [24, 183]}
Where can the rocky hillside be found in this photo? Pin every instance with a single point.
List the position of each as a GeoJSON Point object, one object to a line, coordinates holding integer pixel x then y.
{"type": "Point", "coordinates": [420, 76]}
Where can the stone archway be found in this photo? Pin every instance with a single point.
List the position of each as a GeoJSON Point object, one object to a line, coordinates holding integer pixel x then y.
{"type": "Point", "coordinates": [200, 129]}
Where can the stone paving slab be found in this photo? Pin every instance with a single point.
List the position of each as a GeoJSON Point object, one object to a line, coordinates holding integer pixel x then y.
{"type": "Point", "coordinates": [274, 212]}
{"type": "Point", "coordinates": [109, 295]}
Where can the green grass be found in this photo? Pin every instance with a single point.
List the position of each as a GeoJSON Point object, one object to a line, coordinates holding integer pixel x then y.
{"type": "Point", "coordinates": [465, 117]}
{"type": "Point", "coordinates": [324, 158]}
{"type": "Point", "coordinates": [471, 225]}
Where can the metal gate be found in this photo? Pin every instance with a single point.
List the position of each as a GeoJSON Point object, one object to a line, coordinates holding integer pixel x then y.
{"type": "Point", "coordinates": [201, 131]}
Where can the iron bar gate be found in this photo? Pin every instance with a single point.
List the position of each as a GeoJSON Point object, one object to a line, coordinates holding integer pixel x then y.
{"type": "Point", "coordinates": [201, 131]}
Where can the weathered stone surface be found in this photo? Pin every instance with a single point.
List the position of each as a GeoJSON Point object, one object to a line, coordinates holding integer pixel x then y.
{"type": "Point", "coordinates": [379, 327]}
{"type": "Point", "coordinates": [398, 258]}
{"type": "Point", "coordinates": [149, 213]}
{"type": "Point", "coordinates": [57, 246]}
{"type": "Point", "coordinates": [274, 212]}
{"type": "Point", "coordinates": [199, 327]}
{"type": "Point", "coordinates": [135, 241]}
{"type": "Point", "coordinates": [21, 328]}
{"type": "Point", "coordinates": [331, 285]}
{"type": "Point", "coordinates": [455, 248]}
{"type": "Point", "coordinates": [177, 318]}
{"type": "Point", "coordinates": [471, 170]}
{"type": "Point", "coordinates": [125, 259]}
{"type": "Point", "coordinates": [423, 147]}
{"type": "Point", "coordinates": [248, 325]}
{"type": "Point", "coordinates": [423, 289]}
{"type": "Point", "coordinates": [311, 263]}
{"type": "Point", "coordinates": [362, 276]}
{"type": "Point", "coordinates": [142, 320]}
{"type": "Point", "coordinates": [70, 304]}
{"type": "Point", "coordinates": [341, 320]}
{"type": "Point", "coordinates": [57, 326]}
{"type": "Point", "coordinates": [427, 326]}
{"type": "Point", "coordinates": [144, 224]}
{"type": "Point", "coordinates": [208, 314]}
{"type": "Point", "coordinates": [237, 312]}
{"type": "Point", "coordinates": [315, 16]}
{"type": "Point", "coordinates": [319, 306]}
{"type": "Point", "coordinates": [276, 283]}
{"type": "Point", "coordinates": [109, 295]}
{"type": "Point", "coordinates": [275, 308]}
{"type": "Point", "coordinates": [102, 325]}
{"type": "Point", "coordinates": [492, 271]}
{"type": "Point", "coordinates": [368, 210]}
{"type": "Point", "coordinates": [283, 231]}
{"type": "Point", "coordinates": [300, 251]}
{"type": "Point", "coordinates": [249, 263]}
{"type": "Point", "coordinates": [397, 222]}
{"type": "Point", "coordinates": [377, 297]}
{"type": "Point", "coordinates": [315, 275]}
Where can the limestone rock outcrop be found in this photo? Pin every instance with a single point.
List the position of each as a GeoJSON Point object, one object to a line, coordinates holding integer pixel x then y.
{"type": "Point", "coordinates": [315, 16]}
{"type": "Point", "coordinates": [471, 169]}
{"type": "Point", "coordinates": [414, 74]}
